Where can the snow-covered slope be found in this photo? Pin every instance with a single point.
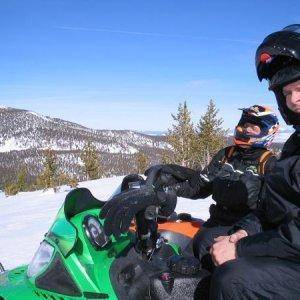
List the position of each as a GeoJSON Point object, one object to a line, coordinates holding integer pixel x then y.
{"type": "Point", "coordinates": [22, 130]}
{"type": "Point", "coordinates": [24, 135]}
{"type": "Point", "coordinates": [26, 217]}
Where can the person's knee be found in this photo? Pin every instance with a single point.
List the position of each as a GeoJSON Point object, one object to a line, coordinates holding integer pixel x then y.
{"type": "Point", "coordinates": [222, 275]}
{"type": "Point", "coordinates": [227, 278]}
{"type": "Point", "coordinates": [204, 239]}
{"type": "Point", "coordinates": [201, 243]}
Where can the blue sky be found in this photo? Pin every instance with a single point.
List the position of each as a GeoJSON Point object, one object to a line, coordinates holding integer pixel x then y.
{"type": "Point", "coordinates": [128, 64]}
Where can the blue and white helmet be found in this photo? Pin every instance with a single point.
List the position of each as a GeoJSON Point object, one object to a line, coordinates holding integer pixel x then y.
{"type": "Point", "coordinates": [261, 116]}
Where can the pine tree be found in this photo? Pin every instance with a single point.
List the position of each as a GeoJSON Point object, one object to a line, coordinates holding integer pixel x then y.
{"type": "Point", "coordinates": [181, 137]}
{"type": "Point", "coordinates": [64, 178]}
{"type": "Point", "coordinates": [49, 177]}
{"type": "Point", "coordinates": [142, 162]}
{"type": "Point", "coordinates": [73, 182]}
{"type": "Point", "coordinates": [211, 137]}
{"type": "Point", "coordinates": [166, 158]}
{"type": "Point", "coordinates": [21, 179]}
{"type": "Point", "coordinates": [19, 184]}
{"type": "Point", "coordinates": [11, 189]}
{"type": "Point", "coordinates": [91, 161]}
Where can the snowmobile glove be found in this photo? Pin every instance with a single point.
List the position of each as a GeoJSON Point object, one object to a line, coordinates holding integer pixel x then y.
{"type": "Point", "coordinates": [121, 209]}
{"type": "Point", "coordinates": [183, 180]}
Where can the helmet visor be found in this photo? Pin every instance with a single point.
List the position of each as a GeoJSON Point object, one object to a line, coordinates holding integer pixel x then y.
{"type": "Point", "coordinates": [284, 77]}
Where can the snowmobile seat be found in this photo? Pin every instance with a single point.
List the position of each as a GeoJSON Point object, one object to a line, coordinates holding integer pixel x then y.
{"type": "Point", "coordinates": [176, 238]}
{"type": "Point", "coordinates": [180, 229]}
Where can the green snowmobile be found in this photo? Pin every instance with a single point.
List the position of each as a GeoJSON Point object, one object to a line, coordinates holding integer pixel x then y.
{"type": "Point", "coordinates": [77, 260]}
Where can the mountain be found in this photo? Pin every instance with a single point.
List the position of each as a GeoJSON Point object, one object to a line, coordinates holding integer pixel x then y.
{"type": "Point", "coordinates": [25, 134]}
{"type": "Point", "coordinates": [157, 133]}
{"type": "Point", "coordinates": [23, 130]}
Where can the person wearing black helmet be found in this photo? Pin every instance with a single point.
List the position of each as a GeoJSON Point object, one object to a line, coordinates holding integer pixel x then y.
{"type": "Point", "coordinates": [261, 259]}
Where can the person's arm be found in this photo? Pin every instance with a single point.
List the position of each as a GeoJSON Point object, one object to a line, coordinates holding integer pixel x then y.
{"type": "Point", "coordinates": [201, 186]}
{"type": "Point", "coordinates": [283, 242]}
{"type": "Point", "coordinates": [283, 210]}
{"type": "Point", "coordinates": [253, 222]}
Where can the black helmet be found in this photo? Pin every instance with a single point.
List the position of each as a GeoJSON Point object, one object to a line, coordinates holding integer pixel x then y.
{"type": "Point", "coordinates": [278, 61]}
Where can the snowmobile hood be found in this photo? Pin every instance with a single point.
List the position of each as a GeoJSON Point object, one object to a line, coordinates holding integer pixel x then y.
{"type": "Point", "coordinates": [13, 284]}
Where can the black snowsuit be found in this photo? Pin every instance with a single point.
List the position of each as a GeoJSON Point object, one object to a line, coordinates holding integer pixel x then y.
{"type": "Point", "coordinates": [233, 200]}
{"type": "Point", "coordinates": [268, 263]}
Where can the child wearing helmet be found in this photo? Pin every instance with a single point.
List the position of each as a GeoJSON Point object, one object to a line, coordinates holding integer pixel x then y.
{"type": "Point", "coordinates": [256, 128]}
{"type": "Point", "coordinates": [226, 175]}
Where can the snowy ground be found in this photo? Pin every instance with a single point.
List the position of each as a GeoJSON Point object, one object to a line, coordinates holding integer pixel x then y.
{"type": "Point", "coordinates": [26, 217]}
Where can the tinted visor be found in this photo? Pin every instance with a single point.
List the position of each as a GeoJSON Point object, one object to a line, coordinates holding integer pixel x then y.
{"type": "Point", "coordinates": [284, 77]}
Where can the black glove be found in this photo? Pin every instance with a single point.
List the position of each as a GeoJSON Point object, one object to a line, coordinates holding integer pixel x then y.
{"type": "Point", "coordinates": [252, 183]}
{"type": "Point", "coordinates": [164, 175]}
{"type": "Point", "coordinates": [184, 181]}
{"type": "Point", "coordinates": [121, 209]}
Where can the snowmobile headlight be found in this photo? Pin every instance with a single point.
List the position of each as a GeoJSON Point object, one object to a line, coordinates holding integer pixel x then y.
{"type": "Point", "coordinates": [40, 259]}
{"type": "Point", "coordinates": [95, 232]}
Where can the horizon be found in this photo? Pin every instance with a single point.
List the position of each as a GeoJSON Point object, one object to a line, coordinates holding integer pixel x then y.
{"type": "Point", "coordinates": [282, 129]}
{"type": "Point", "coordinates": [121, 65]}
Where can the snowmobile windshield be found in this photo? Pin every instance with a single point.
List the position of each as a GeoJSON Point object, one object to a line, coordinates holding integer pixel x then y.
{"type": "Point", "coordinates": [63, 233]}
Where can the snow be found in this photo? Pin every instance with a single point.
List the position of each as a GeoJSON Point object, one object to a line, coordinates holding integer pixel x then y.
{"type": "Point", "coordinates": [10, 145]}
{"type": "Point", "coordinates": [119, 149]}
{"type": "Point", "coordinates": [131, 150]}
{"type": "Point", "coordinates": [39, 116]}
{"type": "Point", "coordinates": [26, 217]}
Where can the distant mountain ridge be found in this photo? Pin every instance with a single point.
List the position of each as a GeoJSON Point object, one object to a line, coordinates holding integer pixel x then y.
{"type": "Point", "coordinates": [25, 134]}
{"type": "Point", "coordinates": [22, 130]}
{"type": "Point", "coordinates": [156, 133]}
